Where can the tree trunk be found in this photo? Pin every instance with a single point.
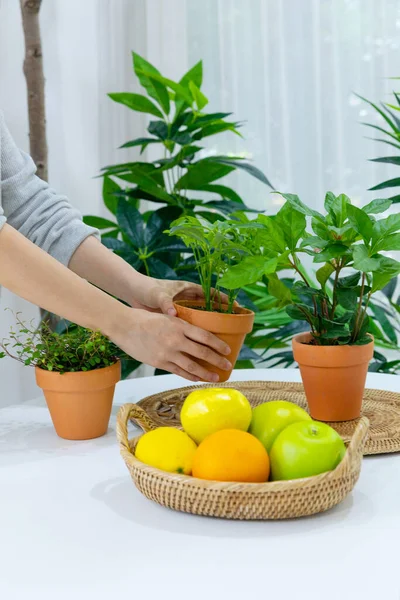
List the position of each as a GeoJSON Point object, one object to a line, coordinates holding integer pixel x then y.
{"type": "Point", "coordinates": [33, 70]}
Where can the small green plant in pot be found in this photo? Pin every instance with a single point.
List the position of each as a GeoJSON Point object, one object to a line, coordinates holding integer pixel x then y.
{"type": "Point", "coordinates": [216, 248]}
{"type": "Point", "coordinates": [77, 371]}
{"type": "Point", "coordinates": [347, 245]}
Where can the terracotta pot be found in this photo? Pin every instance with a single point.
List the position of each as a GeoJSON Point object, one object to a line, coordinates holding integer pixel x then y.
{"type": "Point", "coordinates": [333, 377]}
{"type": "Point", "coordinates": [80, 403]}
{"type": "Point", "coordinates": [232, 328]}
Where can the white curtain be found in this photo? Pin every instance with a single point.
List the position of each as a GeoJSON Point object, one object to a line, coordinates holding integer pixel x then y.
{"type": "Point", "coordinates": [286, 67]}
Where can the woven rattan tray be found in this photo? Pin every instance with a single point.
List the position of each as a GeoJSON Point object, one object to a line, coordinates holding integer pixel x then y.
{"type": "Point", "coordinates": [381, 408]}
{"type": "Point", "coordinates": [244, 501]}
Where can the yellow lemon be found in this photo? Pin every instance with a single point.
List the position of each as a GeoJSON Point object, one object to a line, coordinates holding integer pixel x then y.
{"type": "Point", "coordinates": [208, 410]}
{"type": "Point", "coordinates": [168, 449]}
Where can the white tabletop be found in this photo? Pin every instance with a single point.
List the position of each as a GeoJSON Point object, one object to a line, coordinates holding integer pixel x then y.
{"type": "Point", "coordinates": [73, 526]}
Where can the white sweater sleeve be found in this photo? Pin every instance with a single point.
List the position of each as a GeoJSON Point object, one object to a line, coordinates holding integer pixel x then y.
{"type": "Point", "coordinates": [32, 207]}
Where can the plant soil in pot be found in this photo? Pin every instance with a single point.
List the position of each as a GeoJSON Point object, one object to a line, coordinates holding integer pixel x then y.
{"type": "Point", "coordinates": [231, 328]}
{"type": "Point", "coordinates": [80, 403]}
{"type": "Point", "coordinates": [333, 377]}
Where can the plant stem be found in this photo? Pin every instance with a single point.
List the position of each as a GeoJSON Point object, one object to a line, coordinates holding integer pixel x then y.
{"type": "Point", "coordinates": [334, 294]}
{"type": "Point", "coordinates": [357, 324]}
{"type": "Point", "coordinates": [296, 267]}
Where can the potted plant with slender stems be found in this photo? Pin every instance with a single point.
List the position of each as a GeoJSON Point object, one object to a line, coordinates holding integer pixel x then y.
{"type": "Point", "coordinates": [348, 243]}
{"type": "Point", "coordinates": [216, 248]}
{"type": "Point", "coordinates": [77, 370]}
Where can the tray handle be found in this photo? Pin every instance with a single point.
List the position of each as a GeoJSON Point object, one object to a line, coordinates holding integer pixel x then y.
{"type": "Point", "coordinates": [140, 416]}
{"type": "Point", "coordinates": [357, 441]}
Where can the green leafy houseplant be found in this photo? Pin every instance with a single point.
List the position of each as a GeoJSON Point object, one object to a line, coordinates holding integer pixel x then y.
{"type": "Point", "coordinates": [180, 180]}
{"type": "Point", "coordinates": [76, 369]}
{"type": "Point", "coordinates": [347, 244]}
{"type": "Point", "coordinates": [78, 349]}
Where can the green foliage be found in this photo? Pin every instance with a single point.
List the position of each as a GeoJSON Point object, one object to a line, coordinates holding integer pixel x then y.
{"type": "Point", "coordinates": [220, 252]}
{"type": "Point", "coordinates": [77, 349]}
{"type": "Point", "coordinates": [391, 137]}
{"type": "Point", "coordinates": [349, 242]}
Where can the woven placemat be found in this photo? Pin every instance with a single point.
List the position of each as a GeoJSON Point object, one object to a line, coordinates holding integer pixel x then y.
{"type": "Point", "coordinates": [380, 407]}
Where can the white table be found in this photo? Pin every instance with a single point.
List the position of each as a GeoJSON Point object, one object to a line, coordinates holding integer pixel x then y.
{"type": "Point", "coordinates": [73, 526]}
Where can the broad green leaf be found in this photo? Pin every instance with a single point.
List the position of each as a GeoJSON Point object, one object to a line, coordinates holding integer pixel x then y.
{"type": "Point", "coordinates": [273, 236]}
{"type": "Point", "coordinates": [161, 270]}
{"type": "Point", "coordinates": [324, 273]}
{"type": "Point", "coordinates": [334, 329]}
{"type": "Point", "coordinates": [299, 312]}
{"type": "Point", "coordinates": [338, 209]}
{"type": "Point", "coordinates": [131, 223]}
{"type": "Point", "coordinates": [214, 128]}
{"type": "Point", "coordinates": [388, 243]}
{"type": "Point", "coordinates": [330, 198]}
{"type": "Point", "coordinates": [239, 163]}
{"type": "Point", "coordinates": [200, 121]}
{"type": "Point", "coordinates": [194, 74]}
{"type": "Point", "coordinates": [320, 228]}
{"type": "Point", "coordinates": [136, 102]}
{"type": "Point", "coordinates": [292, 223]}
{"type": "Point", "coordinates": [201, 173]}
{"type": "Point", "coordinates": [347, 297]}
{"type": "Point", "coordinates": [223, 191]}
{"type": "Point", "coordinates": [388, 268]}
{"type": "Point", "coordinates": [179, 90]}
{"type": "Point", "coordinates": [386, 184]}
{"type": "Point", "coordinates": [110, 188]}
{"type": "Point", "coordinates": [116, 245]}
{"type": "Point", "coordinates": [314, 242]}
{"type": "Point", "coordinates": [158, 221]}
{"type": "Point", "coordinates": [334, 250]}
{"type": "Point", "coordinates": [362, 261]}
{"type": "Point", "coordinates": [144, 71]}
{"type": "Point", "coordinates": [295, 201]}
{"type": "Point", "coordinates": [99, 222]}
{"type": "Point", "coordinates": [249, 270]}
{"type": "Point", "coordinates": [350, 280]}
{"type": "Point", "coordinates": [383, 228]}
{"type": "Point", "coordinates": [279, 290]}
{"type": "Point", "coordinates": [159, 129]}
{"type": "Point", "coordinates": [360, 222]}
{"type": "Point", "coordinates": [198, 96]}
{"type": "Point", "coordinates": [377, 206]}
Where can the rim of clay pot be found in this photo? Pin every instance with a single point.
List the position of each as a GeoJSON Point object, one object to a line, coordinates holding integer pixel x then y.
{"type": "Point", "coordinates": [79, 380]}
{"type": "Point", "coordinates": [241, 321]}
{"type": "Point", "coordinates": [330, 356]}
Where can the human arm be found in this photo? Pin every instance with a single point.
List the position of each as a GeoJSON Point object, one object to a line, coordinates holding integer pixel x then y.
{"type": "Point", "coordinates": [158, 340]}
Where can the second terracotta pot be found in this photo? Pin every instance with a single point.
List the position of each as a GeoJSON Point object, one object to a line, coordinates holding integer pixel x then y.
{"type": "Point", "coordinates": [333, 377]}
{"type": "Point", "coordinates": [80, 403]}
{"type": "Point", "coordinates": [231, 328]}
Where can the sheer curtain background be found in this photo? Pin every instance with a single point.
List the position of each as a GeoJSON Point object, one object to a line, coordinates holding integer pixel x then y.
{"type": "Point", "coordinates": [286, 67]}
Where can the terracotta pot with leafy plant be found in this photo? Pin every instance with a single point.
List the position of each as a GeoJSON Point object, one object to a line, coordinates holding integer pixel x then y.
{"type": "Point", "coordinates": [348, 242]}
{"type": "Point", "coordinates": [77, 370]}
{"type": "Point", "coordinates": [216, 248]}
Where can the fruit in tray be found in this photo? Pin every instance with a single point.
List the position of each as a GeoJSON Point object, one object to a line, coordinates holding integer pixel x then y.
{"type": "Point", "coordinates": [208, 410]}
{"type": "Point", "coordinates": [270, 418]}
{"type": "Point", "coordinates": [225, 440]}
{"type": "Point", "coordinates": [231, 455]}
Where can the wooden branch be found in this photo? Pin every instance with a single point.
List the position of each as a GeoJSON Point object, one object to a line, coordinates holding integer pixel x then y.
{"type": "Point", "coordinates": [33, 70]}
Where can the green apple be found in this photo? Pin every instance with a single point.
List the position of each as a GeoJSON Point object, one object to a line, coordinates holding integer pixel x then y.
{"type": "Point", "coordinates": [270, 418]}
{"type": "Point", "coordinates": [304, 449]}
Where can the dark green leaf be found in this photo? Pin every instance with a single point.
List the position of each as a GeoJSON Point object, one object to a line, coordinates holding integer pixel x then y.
{"type": "Point", "coordinates": [334, 250]}
{"type": "Point", "coordinates": [131, 222]}
{"type": "Point", "coordinates": [384, 322]}
{"type": "Point", "coordinates": [159, 129]}
{"type": "Point", "coordinates": [199, 122]}
{"type": "Point", "coordinates": [98, 222]}
{"type": "Point", "coordinates": [388, 268]}
{"type": "Point", "coordinates": [299, 312]}
{"type": "Point", "coordinates": [110, 188]}
{"type": "Point", "coordinates": [160, 270]}
{"type": "Point", "coordinates": [386, 184]}
{"type": "Point", "coordinates": [215, 127]}
{"type": "Point", "coordinates": [116, 245]}
{"type": "Point", "coordinates": [201, 173]}
{"type": "Point", "coordinates": [157, 223]}
{"type": "Point", "coordinates": [394, 160]}
{"type": "Point", "coordinates": [334, 329]}
{"type": "Point", "coordinates": [350, 280]}
{"type": "Point", "coordinates": [240, 164]}
{"type": "Point", "coordinates": [347, 297]}
{"type": "Point", "coordinates": [144, 142]}
{"type": "Point", "coordinates": [136, 102]}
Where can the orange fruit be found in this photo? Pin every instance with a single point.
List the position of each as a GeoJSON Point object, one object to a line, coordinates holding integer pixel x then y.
{"type": "Point", "coordinates": [231, 455]}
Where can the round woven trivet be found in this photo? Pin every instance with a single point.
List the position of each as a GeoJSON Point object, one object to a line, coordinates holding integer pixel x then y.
{"type": "Point", "coordinates": [381, 408]}
{"type": "Point", "coordinates": [244, 501]}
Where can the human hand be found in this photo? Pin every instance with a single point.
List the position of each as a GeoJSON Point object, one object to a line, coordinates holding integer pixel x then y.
{"type": "Point", "coordinates": [168, 343]}
{"type": "Point", "coordinates": [160, 295]}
